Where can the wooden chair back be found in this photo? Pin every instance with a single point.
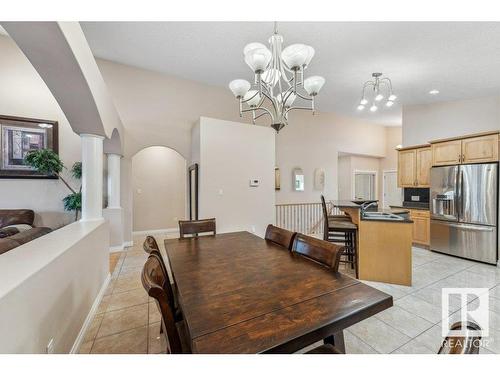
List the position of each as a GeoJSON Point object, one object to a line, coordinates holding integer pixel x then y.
{"type": "Point", "coordinates": [153, 279]}
{"type": "Point", "coordinates": [150, 244]}
{"type": "Point", "coordinates": [325, 217]}
{"type": "Point", "coordinates": [195, 227]}
{"type": "Point", "coordinates": [280, 236]}
{"type": "Point", "coordinates": [468, 344]}
{"type": "Point", "coordinates": [320, 251]}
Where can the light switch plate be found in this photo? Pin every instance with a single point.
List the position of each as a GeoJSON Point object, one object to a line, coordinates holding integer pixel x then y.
{"type": "Point", "coordinates": [254, 182]}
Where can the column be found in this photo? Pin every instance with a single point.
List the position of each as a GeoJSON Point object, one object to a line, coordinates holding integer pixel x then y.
{"type": "Point", "coordinates": [92, 171]}
{"type": "Point", "coordinates": [114, 181]}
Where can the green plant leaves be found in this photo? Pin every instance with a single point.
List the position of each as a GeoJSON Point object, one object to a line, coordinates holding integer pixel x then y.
{"type": "Point", "coordinates": [73, 202]}
{"type": "Point", "coordinates": [44, 161]}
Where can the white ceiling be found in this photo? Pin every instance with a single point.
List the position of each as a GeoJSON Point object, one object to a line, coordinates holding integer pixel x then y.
{"type": "Point", "coordinates": [461, 60]}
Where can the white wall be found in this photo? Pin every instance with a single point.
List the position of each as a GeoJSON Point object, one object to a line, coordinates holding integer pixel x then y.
{"type": "Point", "coordinates": [24, 94]}
{"type": "Point", "coordinates": [311, 142]}
{"type": "Point", "coordinates": [230, 155]}
{"type": "Point", "coordinates": [159, 188]}
{"type": "Point", "coordinates": [49, 285]}
{"type": "Point", "coordinates": [422, 123]}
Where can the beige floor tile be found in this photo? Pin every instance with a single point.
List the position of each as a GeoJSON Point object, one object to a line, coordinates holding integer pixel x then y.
{"type": "Point", "coordinates": [409, 324]}
{"type": "Point", "coordinates": [104, 304]}
{"type": "Point", "coordinates": [354, 345]}
{"type": "Point", "coordinates": [127, 282]}
{"type": "Point", "coordinates": [157, 342]}
{"type": "Point", "coordinates": [432, 338]}
{"type": "Point", "coordinates": [123, 320]}
{"type": "Point", "coordinates": [134, 261]}
{"type": "Point", "coordinates": [413, 347]}
{"type": "Point", "coordinates": [85, 347]}
{"type": "Point", "coordinates": [134, 341]}
{"type": "Point", "coordinates": [127, 299]}
{"type": "Point", "coordinates": [421, 308]}
{"type": "Point", "coordinates": [93, 328]}
{"type": "Point", "coordinates": [379, 335]}
{"type": "Point", "coordinates": [110, 287]}
{"type": "Point", "coordinates": [154, 313]}
{"type": "Point", "coordinates": [131, 270]}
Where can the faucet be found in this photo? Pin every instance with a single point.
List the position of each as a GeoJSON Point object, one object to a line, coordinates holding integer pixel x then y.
{"type": "Point", "coordinates": [365, 206]}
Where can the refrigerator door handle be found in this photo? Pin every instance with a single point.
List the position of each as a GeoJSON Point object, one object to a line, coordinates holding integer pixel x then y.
{"type": "Point", "coordinates": [459, 192]}
{"type": "Point", "coordinates": [472, 227]}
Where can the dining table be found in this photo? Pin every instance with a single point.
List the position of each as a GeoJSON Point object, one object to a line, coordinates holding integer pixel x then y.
{"type": "Point", "coordinates": [240, 293]}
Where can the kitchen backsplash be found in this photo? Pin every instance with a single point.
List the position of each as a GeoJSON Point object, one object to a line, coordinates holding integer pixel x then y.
{"type": "Point", "coordinates": [416, 195]}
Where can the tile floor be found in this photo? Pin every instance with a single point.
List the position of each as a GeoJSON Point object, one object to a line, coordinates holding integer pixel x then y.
{"type": "Point", "coordinates": [128, 322]}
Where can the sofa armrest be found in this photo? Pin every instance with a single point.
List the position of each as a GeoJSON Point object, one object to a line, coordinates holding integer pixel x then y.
{"type": "Point", "coordinates": [20, 216]}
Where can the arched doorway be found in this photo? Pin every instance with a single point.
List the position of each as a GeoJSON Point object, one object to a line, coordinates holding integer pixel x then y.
{"type": "Point", "coordinates": [159, 178]}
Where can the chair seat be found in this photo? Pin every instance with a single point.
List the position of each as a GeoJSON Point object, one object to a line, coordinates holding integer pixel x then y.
{"type": "Point", "coordinates": [325, 349]}
{"type": "Point", "coordinates": [341, 225]}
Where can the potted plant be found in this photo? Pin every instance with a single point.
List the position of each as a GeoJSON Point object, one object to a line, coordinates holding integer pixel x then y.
{"type": "Point", "coordinates": [46, 161]}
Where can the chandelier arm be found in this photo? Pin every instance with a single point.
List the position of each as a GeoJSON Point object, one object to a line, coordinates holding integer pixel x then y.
{"type": "Point", "coordinates": [303, 97]}
{"type": "Point", "coordinates": [300, 108]}
{"type": "Point", "coordinates": [262, 114]}
{"type": "Point", "coordinates": [253, 96]}
{"type": "Point", "coordinates": [266, 111]}
{"type": "Point", "coordinates": [272, 102]}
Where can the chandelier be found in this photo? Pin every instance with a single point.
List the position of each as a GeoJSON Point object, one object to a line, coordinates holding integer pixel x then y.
{"type": "Point", "coordinates": [278, 81]}
{"type": "Point", "coordinates": [378, 89]}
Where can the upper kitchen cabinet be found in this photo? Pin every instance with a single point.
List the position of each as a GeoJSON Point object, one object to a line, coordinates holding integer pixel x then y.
{"type": "Point", "coordinates": [446, 153]}
{"type": "Point", "coordinates": [480, 149]}
{"type": "Point", "coordinates": [414, 165]}
{"type": "Point", "coordinates": [424, 164]}
{"type": "Point", "coordinates": [470, 149]}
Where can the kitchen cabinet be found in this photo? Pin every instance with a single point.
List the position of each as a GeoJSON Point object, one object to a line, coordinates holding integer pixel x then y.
{"type": "Point", "coordinates": [473, 149]}
{"type": "Point", "coordinates": [414, 166]}
{"type": "Point", "coordinates": [480, 149]}
{"type": "Point", "coordinates": [423, 167]}
{"type": "Point", "coordinates": [447, 153]}
{"type": "Point", "coordinates": [421, 227]}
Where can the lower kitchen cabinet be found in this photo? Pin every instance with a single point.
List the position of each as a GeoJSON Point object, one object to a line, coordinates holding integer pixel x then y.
{"type": "Point", "coordinates": [421, 227]}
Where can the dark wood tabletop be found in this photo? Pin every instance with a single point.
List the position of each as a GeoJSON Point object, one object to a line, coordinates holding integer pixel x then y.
{"type": "Point", "coordinates": [242, 294]}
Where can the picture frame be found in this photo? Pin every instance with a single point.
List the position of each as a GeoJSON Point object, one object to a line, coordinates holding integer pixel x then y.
{"type": "Point", "coordinates": [18, 136]}
{"type": "Point", "coordinates": [277, 179]}
{"type": "Point", "coordinates": [193, 171]}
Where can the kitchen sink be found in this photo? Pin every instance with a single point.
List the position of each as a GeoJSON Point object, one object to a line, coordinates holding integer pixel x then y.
{"type": "Point", "coordinates": [382, 216]}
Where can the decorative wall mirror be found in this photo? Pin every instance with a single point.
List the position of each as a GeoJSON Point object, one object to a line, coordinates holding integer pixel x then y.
{"type": "Point", "coordinates": [298, 179]}
{"type": "Point", "coordinates": [193, 192]}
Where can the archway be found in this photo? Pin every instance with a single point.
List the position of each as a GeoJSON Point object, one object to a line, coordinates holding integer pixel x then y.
{"type": "Point", "coordinates": [158, 181]}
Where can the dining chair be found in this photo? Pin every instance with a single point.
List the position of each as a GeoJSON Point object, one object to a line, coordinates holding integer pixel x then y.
{"type": "Point", "coordinates": [195, 227]}
{"type": "Point", "coordinates": [150, 244]}
{"type": "Point", "coordinates": [154, 278]}
{"type": "Point", "coordinates": [280, 236]}
{"type": "Point", "coordinates": [468, 344]}
{"type": "Point", "coordinates": [320, 251]}
{"type": "Point", "coordinates": [341, 230]}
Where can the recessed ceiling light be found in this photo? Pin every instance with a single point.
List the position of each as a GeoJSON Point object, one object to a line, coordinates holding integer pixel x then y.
{"type": "Point", "coordinates": [434, 92]}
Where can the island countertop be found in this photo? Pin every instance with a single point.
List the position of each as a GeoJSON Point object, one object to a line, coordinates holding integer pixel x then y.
{"type": "Point", "coordinates": [345, 204]}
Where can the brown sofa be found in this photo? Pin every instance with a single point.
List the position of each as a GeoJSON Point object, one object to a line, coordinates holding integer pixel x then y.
{"type": "Point", "coordinates": [12, 237]}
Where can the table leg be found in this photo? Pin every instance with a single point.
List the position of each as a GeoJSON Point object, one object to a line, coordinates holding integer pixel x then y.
{"type": "Point", "coordinates": [337, 340]}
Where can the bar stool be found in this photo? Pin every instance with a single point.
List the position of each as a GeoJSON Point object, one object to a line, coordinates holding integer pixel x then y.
{"type": "Point", "coordinates": [341, 230]}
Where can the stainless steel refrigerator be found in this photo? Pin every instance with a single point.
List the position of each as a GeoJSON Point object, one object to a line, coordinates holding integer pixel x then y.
{"type": "Point", "coordinates": [464, 211]}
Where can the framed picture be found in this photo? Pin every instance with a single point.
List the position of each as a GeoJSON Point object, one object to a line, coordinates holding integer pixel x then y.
{"type": "Point", "coordinates": [277, 179]}
{"type": "Point", "coordinates": [193, 191]}
{"type": "Point", "coordinates": [20, 135]}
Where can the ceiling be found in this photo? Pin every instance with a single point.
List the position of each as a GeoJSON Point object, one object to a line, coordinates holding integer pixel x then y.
{"type": "Point", "coordinates": [459, 59]}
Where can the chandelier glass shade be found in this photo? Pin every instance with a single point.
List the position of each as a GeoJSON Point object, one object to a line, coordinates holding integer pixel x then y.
{"type": "Point", "coordinates": [278, 81]}
{"type": "Point", "coordinates": [375, 91]}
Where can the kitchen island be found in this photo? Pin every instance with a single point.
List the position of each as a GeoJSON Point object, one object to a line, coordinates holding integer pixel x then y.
{"type": "Point", "coordinates": [384, 243]}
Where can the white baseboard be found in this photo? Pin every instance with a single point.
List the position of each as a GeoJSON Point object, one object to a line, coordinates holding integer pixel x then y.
{"type": "Point", "coordinates": [88, 320]}
{"type": "Point", "coordinates": [128, 243]}
{"type": "Point", "coordinates": [156, 231]}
